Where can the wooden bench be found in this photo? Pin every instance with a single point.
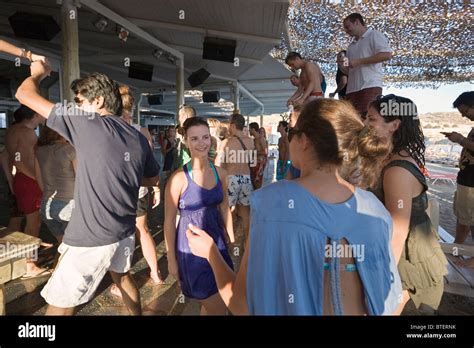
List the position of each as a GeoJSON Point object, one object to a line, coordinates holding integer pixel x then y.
{"type": "Point", "coordinates": [459, 280]}
{"type": "Point", "coordinates": [15, 248]}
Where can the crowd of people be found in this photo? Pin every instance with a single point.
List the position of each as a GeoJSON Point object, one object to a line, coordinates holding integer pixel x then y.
{"type": "Point", "coordinates": [343, 231]}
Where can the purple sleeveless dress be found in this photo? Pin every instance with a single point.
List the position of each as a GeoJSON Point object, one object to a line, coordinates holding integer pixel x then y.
{"type": "Point", "coordinates": [200, 207]}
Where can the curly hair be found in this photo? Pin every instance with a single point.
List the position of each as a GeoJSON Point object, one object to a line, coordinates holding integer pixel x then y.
{"type": "Point", "coordinates": [409, 135]}
{"type": "Point", "coordinates": [100, 85]}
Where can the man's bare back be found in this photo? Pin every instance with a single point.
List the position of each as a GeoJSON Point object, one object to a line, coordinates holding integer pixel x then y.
{"type": "Point", "coordinates": [21, 141]}
{"type": "Point", "coordinates": [232, 156]}
{"type": "Point", "coordinates": [308, 72]}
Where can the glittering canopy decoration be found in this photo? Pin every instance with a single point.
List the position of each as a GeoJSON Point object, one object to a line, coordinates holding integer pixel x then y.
{"type": "Point", "coordinates": [432, 40]}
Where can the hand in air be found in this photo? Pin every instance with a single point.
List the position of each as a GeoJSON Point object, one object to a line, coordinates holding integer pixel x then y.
{"type": "Point", "coordinates": [40, 68]}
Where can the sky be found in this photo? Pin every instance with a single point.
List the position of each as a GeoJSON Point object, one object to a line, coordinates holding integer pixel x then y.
{"type": "Point", "coordinates": [433, 100]}
{"type": "Point", "coordinates": [427, 99]}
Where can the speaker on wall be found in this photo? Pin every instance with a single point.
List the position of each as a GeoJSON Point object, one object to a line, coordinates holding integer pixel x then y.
{"type": "Point", "coordinates": [140, 71]}
{"type": "Point", "coordinates": [198, 77]}
{"type": "Point", "coordinates": [211, 97]}
{"type": "Point", "coordinates": [219, 49]}
{"type": "Point", "coordinates": [155, 99]}
{"type": "Point", "coordinates": [34, 26]}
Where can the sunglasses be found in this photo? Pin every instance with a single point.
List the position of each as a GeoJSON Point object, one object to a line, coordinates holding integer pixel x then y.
{"type": "Point", "coordinates": [78, 101]}
{"type": "Point", "coordinates": [292, 132]}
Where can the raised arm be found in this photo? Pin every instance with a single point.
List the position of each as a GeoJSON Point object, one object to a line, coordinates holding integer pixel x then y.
{"type": "Point", "coordinates": [28, 93]}
{"type": "Point", "coordinates": [19, 52]}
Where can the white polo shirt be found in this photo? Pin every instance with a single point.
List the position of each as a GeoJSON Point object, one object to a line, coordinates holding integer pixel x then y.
{"type": "Point", "coordinates": [367, 75]}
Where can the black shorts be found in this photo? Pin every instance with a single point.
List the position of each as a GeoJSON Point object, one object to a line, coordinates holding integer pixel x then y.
{"type": "Point", "coordinates": [142, 206]}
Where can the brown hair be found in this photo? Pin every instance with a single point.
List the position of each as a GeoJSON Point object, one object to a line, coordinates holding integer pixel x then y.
{"type": "Point", "coordinates": [213, 122]}
{"type": "Point", "coordinates": [223, 130]}
{"type": "Point", "coordinates": [340, 138]}
{"type": "Point", "coordinates": [48, 136]}
{"type": "Point", "coordinates": [127, 98]}
{"type": "Point", "coordinates": [238, 120]}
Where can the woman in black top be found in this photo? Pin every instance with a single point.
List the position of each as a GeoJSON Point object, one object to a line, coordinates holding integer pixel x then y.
{"type": "Point", "coordinates": [341, 80]}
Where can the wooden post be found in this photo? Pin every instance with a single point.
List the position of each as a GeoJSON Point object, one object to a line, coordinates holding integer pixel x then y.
{"type": "Point", "coordinates": [261, 120]}
{"type": "Point", "coordinates": [236, 95]}
{"type": "Point", "coordinates": [179, 86]}
{"type": "Point", "coordinates": [2, 299]}
{"type": "Point", "coordinates": [70, 47]}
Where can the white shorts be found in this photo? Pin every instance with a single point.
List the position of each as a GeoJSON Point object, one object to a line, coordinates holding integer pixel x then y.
{"type": "Point", "coordinates": [239, 189]}
{"type": "Point", "coordinates": [81, 269]}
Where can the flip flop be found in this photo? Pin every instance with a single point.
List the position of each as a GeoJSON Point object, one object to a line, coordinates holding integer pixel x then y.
{"type": "Point", "coordinates": [37, 275]}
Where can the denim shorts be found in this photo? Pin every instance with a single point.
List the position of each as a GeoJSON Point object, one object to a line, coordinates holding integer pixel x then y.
{"type": "Point", "coordinates": [56, 214]}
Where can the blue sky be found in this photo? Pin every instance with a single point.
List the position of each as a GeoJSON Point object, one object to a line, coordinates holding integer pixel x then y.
{"type": "Point", "coordinates": [433, 100]}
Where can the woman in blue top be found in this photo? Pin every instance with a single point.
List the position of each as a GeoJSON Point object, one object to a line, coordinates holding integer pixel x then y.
{"type": "Point", "coordinates": [315, 249]}
{"type": "Point", "coordinates": [197, 191]}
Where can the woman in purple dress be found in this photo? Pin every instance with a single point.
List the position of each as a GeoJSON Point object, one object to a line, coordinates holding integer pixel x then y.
{"type": "Point", "coordinates": [196, 190]}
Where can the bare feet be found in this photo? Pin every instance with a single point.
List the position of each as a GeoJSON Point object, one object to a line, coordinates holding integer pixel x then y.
{"type": "Point", "coordinates": [33, 271]}
{"type": "Point", "coordinates": [156, 278]}
{"type": "Point", "coordinates": [114, 290]}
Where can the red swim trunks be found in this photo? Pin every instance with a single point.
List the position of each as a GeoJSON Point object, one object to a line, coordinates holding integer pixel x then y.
{"type": "Point", "coordinates": [317, 94]}
{"type": "Point", "coordinates": [27, 193]}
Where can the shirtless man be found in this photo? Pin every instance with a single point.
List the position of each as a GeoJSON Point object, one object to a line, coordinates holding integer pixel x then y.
{"type": "Point", "coordinates": [21, 141]}
{"type": "Point", "coordinates": [309, 86]}
{"type": "Point", "coordinates": [184, 156]}
{"type": "Point", "coordinates": [262, 153]}
{"type": "Point", "coordinates": [238, 169]}
{"type": "Point", "coordinates": [283, 151]}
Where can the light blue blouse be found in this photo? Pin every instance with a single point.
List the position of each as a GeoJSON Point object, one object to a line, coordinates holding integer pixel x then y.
{"type": "Point", "coordinates": [288, 237]}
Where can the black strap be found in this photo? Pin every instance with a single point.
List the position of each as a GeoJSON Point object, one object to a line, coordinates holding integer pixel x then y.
{"type": "Point", "coordinates": [245, 149]}
{"type": "Point", "coordinates": [412, 168]}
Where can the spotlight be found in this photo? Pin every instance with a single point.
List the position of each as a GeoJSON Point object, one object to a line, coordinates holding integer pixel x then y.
{"type": "Point", "coordinates": [100, 23]}
{"type": "Point", "coordinates": [123, 34]}
{"type": "Point", "coordinates": [171, 59]}
{"type": "Point", "coordinates": [157, 53]}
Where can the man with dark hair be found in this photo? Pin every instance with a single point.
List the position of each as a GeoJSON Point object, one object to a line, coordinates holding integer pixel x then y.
{"type": "Point", "coordinates": [261, 147]}
{"type": "Point", "coordinates": [236, 156]}
{"type": "Point", "coordinates": [363, 62]}
{"type": "Point", "coordinates": [464, 197]}
{"type": "Point", "coordinates": [310, 79]}
{"type": "Point", "coordinates": [114, 160]}
{"type": "Point", "coordinates": [20, 143]}
{"type": "Point", "coordinates": [283, 151]}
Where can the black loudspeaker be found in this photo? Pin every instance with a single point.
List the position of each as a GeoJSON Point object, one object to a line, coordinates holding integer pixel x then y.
{"type": "Point", "coordinates": [219, 49]}
{"type": "Point", "coordinates": [140, 71]}
{"type": "Point", "coordinates": [155, 99]}
{"type": "Point", "coordinates": [34, 26]}
{"type": "Point", "coordinates": [211, 97]}
{"type": "Point", "coordinates": [198, 77]}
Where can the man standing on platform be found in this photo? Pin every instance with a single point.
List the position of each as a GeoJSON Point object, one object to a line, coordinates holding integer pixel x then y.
{"type": "Point", "coordinates": [310, 79]}
{"type": "Point", "coordinates": [363, 63]}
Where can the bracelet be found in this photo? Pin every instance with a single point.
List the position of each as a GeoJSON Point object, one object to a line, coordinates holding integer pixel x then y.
{"type": "Point", "coordinates": [26, 54]}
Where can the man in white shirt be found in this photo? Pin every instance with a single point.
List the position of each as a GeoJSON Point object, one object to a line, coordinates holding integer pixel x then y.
{"type": "Point", "coordinates": [363, 62]}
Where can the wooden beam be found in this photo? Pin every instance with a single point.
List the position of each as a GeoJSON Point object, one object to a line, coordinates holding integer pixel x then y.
{"type": "Point", "coordinates": [145, 23]}
{"type": "Point", "coordinates": [70, 47]}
